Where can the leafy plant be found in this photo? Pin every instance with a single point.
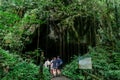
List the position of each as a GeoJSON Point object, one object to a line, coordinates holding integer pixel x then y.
{"type": "Point", "coordinates": [18, 69]}
{"type": "Point", "coordinates": [105, 66]}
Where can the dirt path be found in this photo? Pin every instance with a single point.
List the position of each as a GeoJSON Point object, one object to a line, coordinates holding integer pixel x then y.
{"type": "Point", "coordinates": [60, 78]}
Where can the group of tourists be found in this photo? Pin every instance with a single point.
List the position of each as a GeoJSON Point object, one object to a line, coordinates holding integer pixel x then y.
{"type": "Point", "coordinates": [54, 66]}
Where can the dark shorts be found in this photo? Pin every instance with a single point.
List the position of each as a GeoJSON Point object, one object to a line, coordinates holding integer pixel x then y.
{"type": "Point", "coordinates": [60, 67]}
{"type": "Point", "coordinates": [54, 67]}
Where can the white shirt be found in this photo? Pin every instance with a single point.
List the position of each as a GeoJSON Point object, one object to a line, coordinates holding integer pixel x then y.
{"type": "Point", "coordinates": [47, 63]}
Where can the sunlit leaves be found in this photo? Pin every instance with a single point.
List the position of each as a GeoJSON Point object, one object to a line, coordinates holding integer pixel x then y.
{"type": "Point", "coordinates": [8, 19]}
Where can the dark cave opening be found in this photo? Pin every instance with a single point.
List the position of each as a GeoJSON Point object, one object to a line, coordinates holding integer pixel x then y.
{"type": "Point", "coordinates": [52, 48]}
{"type": "Point", "coordinates": [49, 46]}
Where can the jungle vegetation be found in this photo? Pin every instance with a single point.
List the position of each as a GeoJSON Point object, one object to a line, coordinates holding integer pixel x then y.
{"type": "Point", "coordinates": [68, 28]}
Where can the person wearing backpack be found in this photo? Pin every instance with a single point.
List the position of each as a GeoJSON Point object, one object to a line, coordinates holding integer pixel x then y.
{"type": "Point", "coordinates": [59, 65]}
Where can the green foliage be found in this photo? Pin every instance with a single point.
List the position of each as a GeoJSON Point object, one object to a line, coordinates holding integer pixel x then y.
{"type": "Point", "coordinates": [46, 73]}
{"type": "Point", "coordinates": [105, 66]}
{"type": "Point", "coordinates": [7, 19]}
{"type": "Point", "coordinates": [76, 18]}
{"type": "Point", "coordinates": [114, 74]}
{"type": "Point", "coordinates": [71, 70]}
{"type": "Point", "coordinates": [116, 60]}
{"type": "Point", "coordinates": [76, 21]}
{"type": "Point", "coordinates": [8, 58]}
{"type": "Point", "coordinates": [23, 71]}
{"type": "Point", "coordinates": [18, 68]}
{"type": "Point", "coordinates": [8, 28]}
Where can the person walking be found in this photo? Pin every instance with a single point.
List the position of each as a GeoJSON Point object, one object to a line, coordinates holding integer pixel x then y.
{"type": "Point", "coordinates": [54, 67]}
{"type": "Point", "coordinates": [59, 65]}
{"type": "Point", "coordinates": [47, 64]}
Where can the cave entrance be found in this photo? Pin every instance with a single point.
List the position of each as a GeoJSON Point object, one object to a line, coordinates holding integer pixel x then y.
{"type": "Point", "coordinates": [59, 46]}
{"type": "Point", "coordinates": [53, 48]}
{"type": "Point", "coordinates": [41, 40]}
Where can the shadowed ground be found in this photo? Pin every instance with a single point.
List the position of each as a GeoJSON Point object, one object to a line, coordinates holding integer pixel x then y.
{"type": "Point", "coordinates": [60, 78]}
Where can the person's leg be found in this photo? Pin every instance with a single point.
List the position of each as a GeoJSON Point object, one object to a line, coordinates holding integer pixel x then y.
{"type": "Point", "coordinates": [54, 72]}
{"type": "Point", "coordinates": [59, 71]}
